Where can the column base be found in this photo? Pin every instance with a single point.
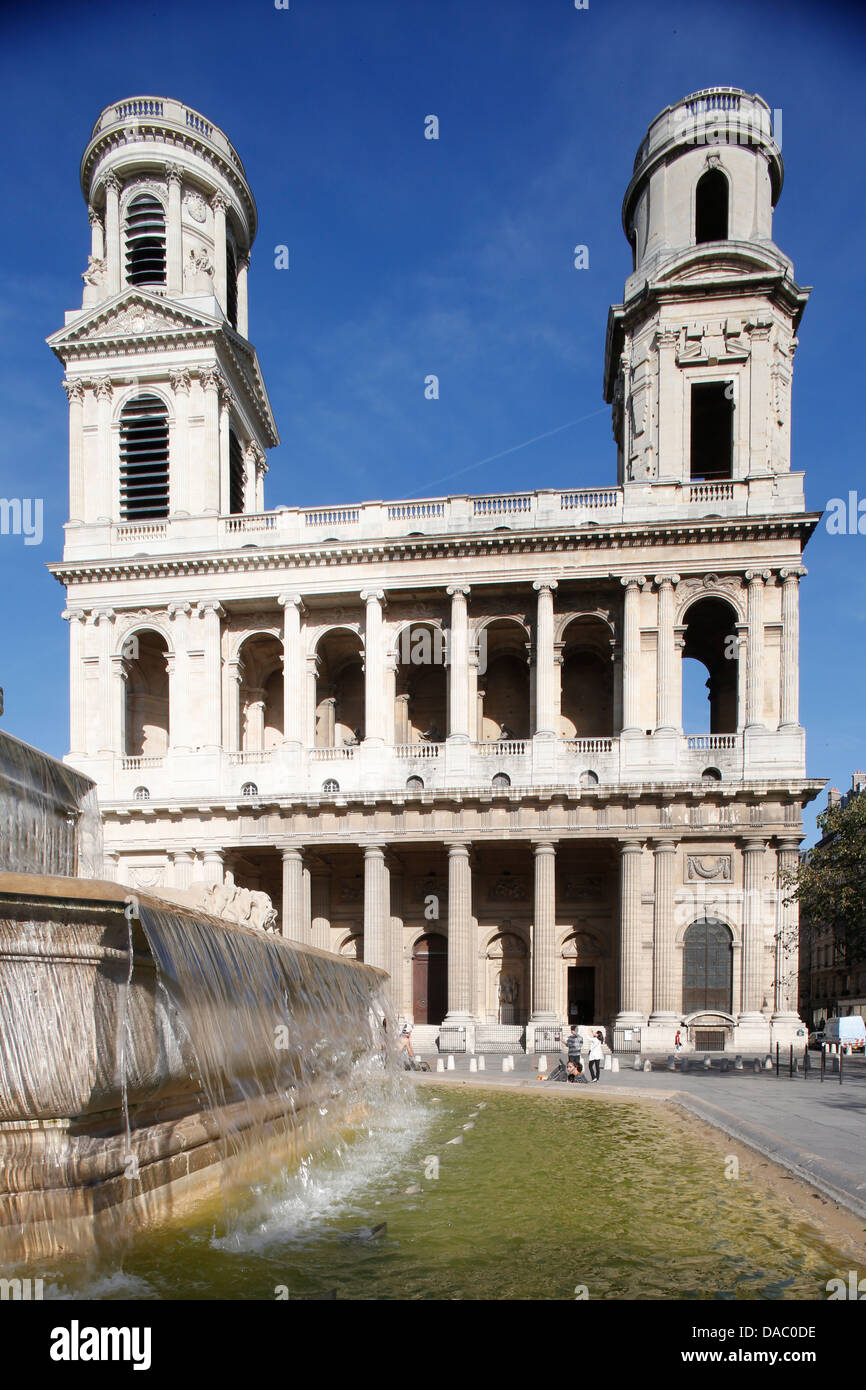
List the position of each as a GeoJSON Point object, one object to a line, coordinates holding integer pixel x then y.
{"type": "Point", "coordinates": [630, 1020]}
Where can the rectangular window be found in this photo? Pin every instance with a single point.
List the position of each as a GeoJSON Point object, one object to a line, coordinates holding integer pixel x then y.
{"type": "Point", "coordinates": [712, 431]}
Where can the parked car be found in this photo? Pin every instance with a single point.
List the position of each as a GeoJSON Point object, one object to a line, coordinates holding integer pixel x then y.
{"type": "Point", "coordinates": [816, 1041]}
{"type": "Point", "coordinates": [846, 1032]}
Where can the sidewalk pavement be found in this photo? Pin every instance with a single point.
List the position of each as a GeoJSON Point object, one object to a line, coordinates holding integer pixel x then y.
{"type": "Point", "coordinates": [814, 1129]}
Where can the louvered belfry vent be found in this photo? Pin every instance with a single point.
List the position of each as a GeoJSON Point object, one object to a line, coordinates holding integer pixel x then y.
{"type": "Point", "coordinates": [145, 241]}
{"type": "Point", "coordinates": [143, 459]}
{"type": "Point", "coordinates": [236, 475]}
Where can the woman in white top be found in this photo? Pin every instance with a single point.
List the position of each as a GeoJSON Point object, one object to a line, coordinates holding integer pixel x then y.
{"type": "Point", "coordinates": [596, 1052]}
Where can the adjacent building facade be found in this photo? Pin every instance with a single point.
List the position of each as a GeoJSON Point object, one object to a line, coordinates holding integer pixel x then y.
{"type": "Point", "coordinates": [831, 986]}
{"type": "Point", "coordinates": [447, 735]}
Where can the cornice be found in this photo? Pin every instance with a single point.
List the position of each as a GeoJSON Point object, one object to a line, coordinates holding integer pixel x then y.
{"type": "Point", "coordinates": [604, 540]}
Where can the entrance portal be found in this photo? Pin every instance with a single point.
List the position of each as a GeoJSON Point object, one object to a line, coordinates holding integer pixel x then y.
{"type": "Point", "coordinates": [430, 979]}
{"type": "Point", "coordinates": [581, 994]}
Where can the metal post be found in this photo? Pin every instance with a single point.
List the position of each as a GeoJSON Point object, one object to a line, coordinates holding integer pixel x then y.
{"type": "Point", "coordinates": [823, 1061]}
{"type": "Point", "coordinates": [777, 1059]}
{"type": "Point", "coordinates": [840, 1066]}
{"type": "Point", "coordinates": [806, 1062]}
{"type": "Point", "coordinates": [791, 1062]}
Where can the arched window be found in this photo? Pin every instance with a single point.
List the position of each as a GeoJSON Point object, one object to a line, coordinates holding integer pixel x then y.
{"type": "Point", "coordinates": [145, 241]}
{"type": "Point", "coordinates": [588, 778]}
{"type": "Point", "coordinates": [249, 789]}
{"type": "Point", "coordinates": [236, 475]}
{"type": "Point", "coordinates": [415, 784]}
{"type": "Point", "coordinates": [143, 459]}
{"type": "Point", "coordinates": [330, 788]}
{"type": "Point", "coordinates": [231, 285]}
{"type": "Point", "coordinates": [141, 794]}
{"type": "Point", "coordinates": [710, 681]}
{"type": "Point", "coordinates": [711, 207]}
{"type": "Point", "coordinates": [708, 968]}
{"type": "Point", "coordinates": [501, 779]}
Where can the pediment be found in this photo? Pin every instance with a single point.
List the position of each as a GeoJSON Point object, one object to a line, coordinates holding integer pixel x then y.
{"type": "Point", "coordinates": [130, 316]}
{"type": "Point", "coordinates": [721, 261]}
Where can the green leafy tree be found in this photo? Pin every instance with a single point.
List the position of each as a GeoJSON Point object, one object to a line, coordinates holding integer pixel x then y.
{"type": "Point", "coordinates": [830, 884]}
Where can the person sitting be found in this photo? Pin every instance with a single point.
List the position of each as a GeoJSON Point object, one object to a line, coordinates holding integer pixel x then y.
{"type": "Point", "coordinates": [575, 1072]}
{"type": "Point", "coordinates": [405, 1040]}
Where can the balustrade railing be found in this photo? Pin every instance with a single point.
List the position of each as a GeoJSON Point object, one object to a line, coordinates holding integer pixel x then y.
{"type": "Point", "coordinates": [334, 755]}
{"type": "Point", "coordinates": [251, 755]}
{"type": "Point", "coordinates": [705, 743]}
{"type": "Point", "coordinates": [417, 750]}
{"type": "Point", "coordinates": [136, 764]}
{"type": "Point", "coordinates": [589, 745]}
{"type": "Point", "coordinates": [502, 748]}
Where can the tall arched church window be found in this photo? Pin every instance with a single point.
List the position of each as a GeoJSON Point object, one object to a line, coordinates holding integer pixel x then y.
{"type": "Point", "coordinates": [145, 241]}
{"type": "Point", "coordinates": [231, 285]}
{"type": "Point", "coordinates": [143, 459]}
{"type": "Point", "coordinates": [707, 968]}
{"type": "Point", "coordinates": [236, 474]}
{"type": "Point", "coordinates": [711, 207]}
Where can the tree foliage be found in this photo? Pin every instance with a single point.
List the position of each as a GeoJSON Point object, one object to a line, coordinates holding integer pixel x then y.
{"type": "Point", "coordinates": [830, 884]}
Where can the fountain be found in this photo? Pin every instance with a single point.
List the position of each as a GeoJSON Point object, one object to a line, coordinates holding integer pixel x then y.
{"type": "Point", "coordinates": [148, 1050]}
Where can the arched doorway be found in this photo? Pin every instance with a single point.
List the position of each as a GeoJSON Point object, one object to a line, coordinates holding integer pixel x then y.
{"type": "Point", "coordinates": [710, 654]}
{"type": "Point", "coordinates": [430, 979]}
{"type": "Point", "coordinates": [147, 695]}
{"type": "Point", "coordinates": [587, 679]}
{"type": "Point", "coordinates": [708, 967]}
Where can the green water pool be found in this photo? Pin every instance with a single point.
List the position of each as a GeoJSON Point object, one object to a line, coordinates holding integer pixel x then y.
{"type": "Point", "coordinates": [542, 1198]}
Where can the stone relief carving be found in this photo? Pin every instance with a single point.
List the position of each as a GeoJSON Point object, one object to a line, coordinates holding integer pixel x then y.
{"type": "Point", "coordinates": [708, 866]}
{"type": "Point", "coordinates": [508, 889]}
{"type": "Point", "coordinates": [198, 272]}
{"type": "Point", "coordinates": [351, 891]}
{"type": "Point", "coordinates": [196, 207]}
{"type": "Point", "coordinates": [580, 889]}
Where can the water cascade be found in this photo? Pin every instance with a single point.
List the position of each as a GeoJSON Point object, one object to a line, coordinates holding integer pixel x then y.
{"type": "Point", "coordinates": [148, 1052]}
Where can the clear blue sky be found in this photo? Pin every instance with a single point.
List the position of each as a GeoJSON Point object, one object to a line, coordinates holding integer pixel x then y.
{"type": "Point", "coordinates": [411, 257]}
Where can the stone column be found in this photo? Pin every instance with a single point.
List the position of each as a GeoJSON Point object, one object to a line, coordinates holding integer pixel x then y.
{"type": "Point", "coordinates": [458, 688]}
{"type": "Point", "coordinates": [377, 911]}
{"type": "Point", "coordinates": [401, 719]}
{"type": "Point", "coordinates": [210, 715]}
{"type": "Point", "coordinates": [179, 719]}
{"type": "Point", "coordinates": [113, 250]}
{"type": "Point", "coordinates": [755, 649]}
{"type": "Point", "coordinates": [213, 870]}
{"type": "Point", "coordinates": [790, 674]}
{"type": "Point", "coordinates": [77, 693]}
{"type": "Point", "coordinates": [179, 461]}
{"type": "Point", "coordinates": [667, 989]}
{"type": "Point", "coordinates": [219, 205]}
{"type": "Point", "coordinates": [225, 400]}
{"type": "Point", "coordinates": [293, 670]}
{"type": "Point", "coordinates": [545, 667]}
{"type": "Point", "coordinates": [293, 915]}
{"type": "Point", "coordinates": [110, 719]}
{"type": "Point", "coordinates": [544, 933]}
{"type": "Point", "coordinates": [312, 675]}
{"type": "Point", "coordinates": [460, 944]}
{"type": "Point", "coordinates": [374, 685]}
{"type": "Point", "coordinates": [668, 717]}
{"type": "Point", "coordinates": [254, 712]}
{"type": "Point", "coordinates": [788, 937]}
{"type": "Point", "coordinates": [320, 910]}
{"type": "Point", "coordinates": [243, 309]}
{"type": "Point", "coordinates": [207, 485]}
{"type": "Point", "coordinates": [75, 395]}
{"type": "Point", "coordinates": [742, 633]}
{"type": "Point", "coordinates": [232, 730]}
{"type": "Point", "coordinates": [631, 654]}
{"type": "Point", "coordinates": [630, 1013]}
{"type": "Point", "coordinates": [395, 935]}
{"type": "Point", "coordinates": [108, 481]}
{"type": "Point", "coordinates": [754, 949]}
{"type": "Point", "coordinates": [182, 867]}
{"type": "Point", "coordinates": [97, 235]}
{"type": "Point", "coordinates": [173, 259]}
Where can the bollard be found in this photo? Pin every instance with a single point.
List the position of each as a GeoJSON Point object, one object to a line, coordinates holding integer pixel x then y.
{"type": "Point", "coordinates": [777, 1059]}
{"type": "Point", "coordinates": [440, 1063]}
{"type": "Point", "coordinates": [738, 1062]}
{"type": "Point", "coordinates": [450, 1061]}
{"type": "Point", "coordinates": [768, 1063]}
{"type": "Point", "coordinates": [791, 1061]}
{"type": "Point", "coordinates": [505, 1064]}
{"type": "Point", "coordinates": [823, 1060]}
{"type": "Point", "coordinates": [608, 1061]}
{"type": "Point", "coordinates": [647, 1066]}
{"type": "Point", "coordinates": [756, 1065]}
{"type": "Point", "coordinates": [482, 1065]}
{"type": "Point", "coordinates": [637, 1064]}
{"type": "Point", "coordinates": [473, 1065]}
{"type": "Point", "coordinates": [542, 1063]}
{"type": "Point", "coordinates": [840, 1066]}
{"type": "Point", "coordinates": [614, 1064]}
{"type": "Point", "coordinates": [672, 1063]}
{"type": "Point", "coordinates": [708, 1062]}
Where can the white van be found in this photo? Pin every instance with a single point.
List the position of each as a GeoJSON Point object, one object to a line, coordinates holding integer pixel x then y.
{"type": "Point", "coordinates": [846, 1032]}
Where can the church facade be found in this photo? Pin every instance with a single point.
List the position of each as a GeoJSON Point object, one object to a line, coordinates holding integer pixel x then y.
{"type": "Point", "coordinates": [446, 736]}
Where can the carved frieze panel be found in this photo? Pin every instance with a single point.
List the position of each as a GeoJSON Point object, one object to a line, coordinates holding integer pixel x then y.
{"type": "Point", "coordinates": [508, 888]}
{"type": "Point", "coordinates": [707, 867]}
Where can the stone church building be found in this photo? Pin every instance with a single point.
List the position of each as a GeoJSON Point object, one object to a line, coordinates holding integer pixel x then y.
{"type": "Point", "coordinates": [446, 736]}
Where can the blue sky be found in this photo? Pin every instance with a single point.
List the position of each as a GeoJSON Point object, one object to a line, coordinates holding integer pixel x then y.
{"type": "Point", "coordinates": [452, 257]}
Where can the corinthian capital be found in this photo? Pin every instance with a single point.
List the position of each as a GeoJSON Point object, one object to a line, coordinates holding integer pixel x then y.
{"type": "Point", "coordinates": [75, 389]}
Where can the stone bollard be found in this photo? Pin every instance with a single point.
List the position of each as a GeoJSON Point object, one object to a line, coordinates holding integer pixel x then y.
{"type": "Point", "coordinates": [756, 1065]}
{"type": "Point", "coordinates": [738, 1062]}
{"type": "Point", "coordinates": [614, 1064]}
{"type": "Point", "coordinates": [450, 1061]}
{"type": "Point", "coordinates": [542, 1063]}
{"type": "Point", "coordinates": [707, 1063]}
{"type": "Point", "coordinates": [768, 1063]}
{"type": "Point", "coordinates": [440, 1063]}
{"type": "Point", "coordinates": [473, 1065]}
{"type": "Point", "coordinates": [607, 1062]}
{"type": "Point", "coordinates": [637, 1064]}
{"type": "Point", "coordinates": [672, 1063]}
{"type": "Point", "coordinates": [647, 1066]}
{"type": "Point", "coordinates": [482, 1065]}
{"type": "Point", "coordinates": [725, 1065]}
{"type": "Point", "coordinates": [505, 1064]}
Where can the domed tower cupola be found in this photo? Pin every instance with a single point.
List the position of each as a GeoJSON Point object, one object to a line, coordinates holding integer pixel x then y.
{"type": "Point", "coordinates": [169, 416]}
{"type": "Point", "coordinates": [698, 359]}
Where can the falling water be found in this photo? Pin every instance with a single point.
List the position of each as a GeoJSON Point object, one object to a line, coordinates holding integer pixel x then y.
{"type": "Point", "coordinates": [49, 818]}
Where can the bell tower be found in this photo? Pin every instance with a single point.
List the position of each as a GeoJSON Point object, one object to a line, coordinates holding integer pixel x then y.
{"type": "Point", "coordinates": [699, 355]}
{"type": "Point", "coordinates": [169, 416]}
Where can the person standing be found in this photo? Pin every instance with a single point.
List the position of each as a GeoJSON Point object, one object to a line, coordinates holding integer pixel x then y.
{"type": "Point", "coordinates": [678, 1043]}
{"type": "Point", "coordinates": [574, 1046]}
{"type": "Point", "coordinates": [596, 1052]}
